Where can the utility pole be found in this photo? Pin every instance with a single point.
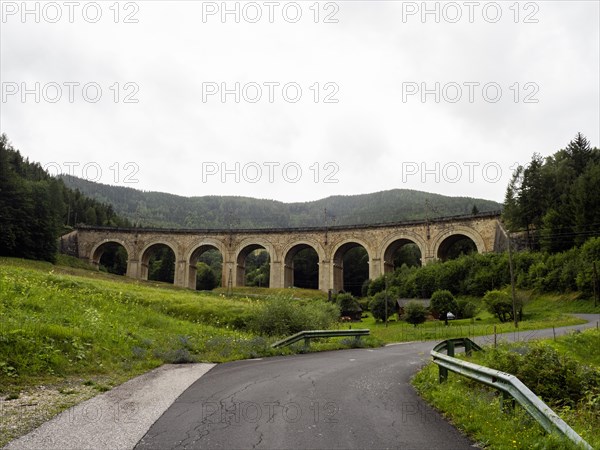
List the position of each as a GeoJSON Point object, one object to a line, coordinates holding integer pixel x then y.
{"type": "Point", "coordinates": [596, 287]}
{"type": "Point", "coordinates": [512, 282]}
{"type": "Point", "coordinates": [386, 299]}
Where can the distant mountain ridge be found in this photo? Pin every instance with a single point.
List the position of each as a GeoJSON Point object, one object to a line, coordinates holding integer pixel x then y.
{"type": "Point", "coordinates": [158, 209]}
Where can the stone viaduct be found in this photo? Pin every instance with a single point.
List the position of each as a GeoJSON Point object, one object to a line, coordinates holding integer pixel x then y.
{"type": "Point", "coordinates": [381, 242]}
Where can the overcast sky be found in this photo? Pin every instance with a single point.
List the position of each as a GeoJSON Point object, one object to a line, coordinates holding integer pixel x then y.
{"type": "Point", "coordinates": [298, 101]}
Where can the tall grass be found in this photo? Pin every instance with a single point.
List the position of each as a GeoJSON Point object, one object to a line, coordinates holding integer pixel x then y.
{"type": "Point", "coordinates": [55, 324]}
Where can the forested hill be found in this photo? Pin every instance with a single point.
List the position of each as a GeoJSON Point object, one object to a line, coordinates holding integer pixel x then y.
{"type": "Point", "coordinates": [36, 208]}
{"type": "Point", "coordinates": [166, 210]}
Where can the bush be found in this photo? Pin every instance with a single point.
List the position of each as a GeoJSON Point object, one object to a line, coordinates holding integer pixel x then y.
{"type": "Point", "coordinates": [466, 309]}
{"type": "Point", "coordinates": [425, 281]}
{"type": "Point", "coordinates": [377, 305]}
{"type": "Point", "coordinates": [364, 290]}
{"type": "Point", "coordinates": [590, 253]}
{"type": "Point", "coordinates": [499, 303]}
{"type": "Point", "coordinates": [558, 379]}
{"type": "Point", "coordinates": [375, 286]}
{"type": "Point", "coordinates": [364, 303]}
{"type": "Point", "coordinates": [282, 316]}
{"type": "Point", "coordinates": [347, 303]}
{"type": "Point", "coordinates": [443, 302]}
{"type": "Point", "coordinates": [415, 313]}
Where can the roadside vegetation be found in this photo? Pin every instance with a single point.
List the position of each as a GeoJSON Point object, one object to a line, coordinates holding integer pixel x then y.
{"type": "Point", "coordinates": [564, 372]}
{"type": "Point", "coordinates": [56, 324]}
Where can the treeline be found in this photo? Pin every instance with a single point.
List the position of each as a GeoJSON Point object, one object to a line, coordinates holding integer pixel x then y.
{"type": "Point", "coordinates": [555, 201]}
{"type": "Point", "coordinates": [35, 208]}
{"type": "Point", "coordinates": [156, 209]}
{"type": "Point", "coordinates": [476, 274]}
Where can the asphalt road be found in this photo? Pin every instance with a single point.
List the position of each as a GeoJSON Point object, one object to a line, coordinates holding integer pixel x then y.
{"type": "Point", "coordinates": [360, 398]}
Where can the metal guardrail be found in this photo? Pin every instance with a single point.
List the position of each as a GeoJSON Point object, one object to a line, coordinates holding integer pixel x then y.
{"type": "Point", "coordinates": [312, 334]}
{"type": "Point", "coordinates": [508, 384]}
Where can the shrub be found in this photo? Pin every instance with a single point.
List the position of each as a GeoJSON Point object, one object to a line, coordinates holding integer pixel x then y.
{"type": "Point", "coordinates": [451, 274]}
{"type": "Point", "coordinates": [415, 313]}
{"type": "Point", "coordinates": [364, 303]}
{"type": "Point", "coordinates": [364, 289]}
{"type": "Point", "coordinates": [408, 286]}
{"type": "Point", "coordinates": [466, 309]}
{"type": "Point", "coordinates": [590, 253]}
{"type": "Point", "coordinates": [282, 316]}
{"type": "Point", "coordinates": [425, 280]}
{"type": "Point", "coordinates": [375, 286]}
{"type": "Point", "coordinates": [377, 305]}
{"type": "Point", "coordinates": [499, 303]}
{"type": "Point", "coordinates": [443, 302]}
{"type": "Point", "coordinates": [347, 303]}
{"type": "Point", "coordinates": [558, 379]}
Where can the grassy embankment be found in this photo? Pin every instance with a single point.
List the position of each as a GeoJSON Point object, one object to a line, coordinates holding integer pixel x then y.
{"type": "Point", "coordinates": [58, 320]}
{"type": "Point", "coordinates": [68, 332]}
{"type": "Point", "coordinates": [565, 373]}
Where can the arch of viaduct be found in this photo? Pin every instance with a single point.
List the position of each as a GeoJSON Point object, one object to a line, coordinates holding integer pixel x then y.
{"type": "Point", "coordinates": [381, 242]}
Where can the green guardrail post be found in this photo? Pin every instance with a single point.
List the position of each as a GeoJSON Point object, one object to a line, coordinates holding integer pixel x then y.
{"type": "Point", "coordinates": [443, 374]}
{"type": "Point", "coordinates": [468, 347]}
{"type": "Point", "coordinates": [306, 343]}
{"type": "Point", "coordinates": [507, 402]}
{"type": "Point", "coordinates": [450, 347]}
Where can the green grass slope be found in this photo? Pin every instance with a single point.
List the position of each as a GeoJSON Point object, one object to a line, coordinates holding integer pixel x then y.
{"type": "Point", "coordinates": [68, 332]}
{"type": "Point", "coordinates": [57, 324]}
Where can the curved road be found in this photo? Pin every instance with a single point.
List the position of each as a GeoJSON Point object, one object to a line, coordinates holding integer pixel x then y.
{"type": "Point", "coordinates": [360, 398]}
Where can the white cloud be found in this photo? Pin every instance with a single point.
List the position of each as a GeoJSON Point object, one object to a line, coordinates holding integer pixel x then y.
{"type": "Point", "coordinates": [370, 134]}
